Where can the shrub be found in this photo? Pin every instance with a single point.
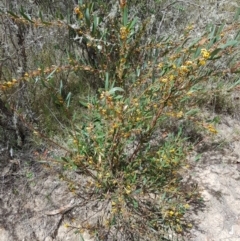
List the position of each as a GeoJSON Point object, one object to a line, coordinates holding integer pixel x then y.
{"type": "Point", "coordinates": [131, 160]}
{"type": "Point", "coordinates": [124, 144]}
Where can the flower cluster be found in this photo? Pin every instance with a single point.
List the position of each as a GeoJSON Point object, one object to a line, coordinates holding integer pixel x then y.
{"type": "Point", "coordinates": [124, 31]}
{"type": "Point", "coordinates": [8, 84]}
{"type": "Point", "coordinates": [78, 12]}
{"type": "Point", "coordinates": [205, 54]}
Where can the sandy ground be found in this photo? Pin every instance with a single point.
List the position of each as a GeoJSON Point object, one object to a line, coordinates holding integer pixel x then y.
{"type": "Point", "coordinates": [218, 176]}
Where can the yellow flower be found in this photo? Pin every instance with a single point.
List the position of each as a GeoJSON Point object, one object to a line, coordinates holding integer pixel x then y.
{"type": "Point", "coordinates": [188, 63]}
{"type": "Point", "coordinates": [178, 229]}
{"type": "Point", "coordinates": [78, 12]}
{"type": "Point", "coordinates": [35, 133]}
{"type": "Point", "coordinates": [75, 141]}
{"type": "Point", "coordinates": [211, 129]}
{"type": "Point", "coordinates": [160, 65]}
{"type": "Point", "coordinates": [123, 32]}
{"type": "Point", "coordinates": [9, 84]}
{"type": "Point", "coordinates": [202, 61]}
{"type": "Point", "coordinates": [190, 225]}
{"type": "Point", "coordinates": [128, 189]}
{"type": "Point", "coordinates": [123, 60]}
{"type": "Point", "coordinates": [171, 77]}
{"type": "Point", "coordinates": [190, 27]}
{"type": "Point", "coordinates": [66, 225]}
{"type": "Point", "coordinates": [184, 68]}
{"type": "Point", "coordinates": [115, 125]}
{"type": "Point", "coordinates": [186, 206]}
{"type": "Point", "coordinates": [170, 213]}
{"type": "Point", "coordinates": [164, 80]}
{"type": "Point", "coordinates": [114, 210]}
{"type": "Point", "coordinates": [205, 53]}
{"type": "Point", "coordinates": [179, 114]}
{"type": "Point", "coordinates": [190, 93]}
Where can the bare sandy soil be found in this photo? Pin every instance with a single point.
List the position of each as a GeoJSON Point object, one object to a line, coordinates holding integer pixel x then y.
{"type": "Point", "coordinates": [35, 204]}
{"type": "Point", "coordinates": [218, 176]}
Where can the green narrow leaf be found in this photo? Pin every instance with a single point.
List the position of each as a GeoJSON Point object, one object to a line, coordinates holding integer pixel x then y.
{"type": "Point", "coordinates": [125, 16]}
{"type": "Point", "coordinates": [197, 157]}
{"type": "Point", "coordinates": [220, 29]}
{"type": "Point", "coordinates": [82, 239]}
{"type": "Point", "coordinates": [135, 204]}
{"type": "Point", "coordinates": [213, 36]}
{"type": "Point", "coordinates": [179, 61]}
{"type": "Point", "coordinates": [112, 85]}
{"type": "Point", "coordinates": [132, 23]}
{"type": "Point", "coordinates": [197, 52]}
{"type": "Point", "coordinates": [61, 87]}
{"type": "Point", "coordinates": [27, 17]}
{"type": "Point", "coordinates": [237, 35]}
{"type": "Point", "coordinates": [65, 159]}
{"type": "Point", "coordinates": [106, 81]}
{"type": "Point", "coordinates": [185, 41]}
{"type": "Point", "coordinates": [216, 120]}
{"type": "Point", "coordinates": [234, 85]}
{"type": "Point", "coordinates": [113, 90]}
{"type": "Point", "coordinates": [91, 6]}
{"type": "Point", "coordinates": [13, 14]}
{"type": "Point", "coordinates": [84, 104]}
{"type": "Point", "coordinates": [87, 17]}
{"type": "Point", "coordinates": [97, 20]}
{"type": "Point", "coordinates": [40, 15]}
{"type": "Point", "coordinates": [43, 82]}
{"type": "Point", "coordinates": [138, 72]}
{"type": "Point", "coordinates": [193, 43]}
{"type": "Point", "coordinates": [192, 112]}
{"type": "Point", "coordinates": [229, 43]}
{"type": "Point", "coordinates": [51, 74]}
{"type": "Point", "coordinates": [95, 24]}
{"type": "Point", "coordinates": [68, 99]}
{"type": "Point", "coordinates": [217, 57]}
{"type": "Point", "coordinates": [138, 191]}
{"type": "Point", "coordinates": [180, 131]}
{"type": "Point", "coordinates": [237, 13]}
{"type": "Point", "coordinates": [216, 51]}
{"type": "Point", "coordinates": [213, 32]}
{"type": "Point", "coordinates": [118, 97]}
